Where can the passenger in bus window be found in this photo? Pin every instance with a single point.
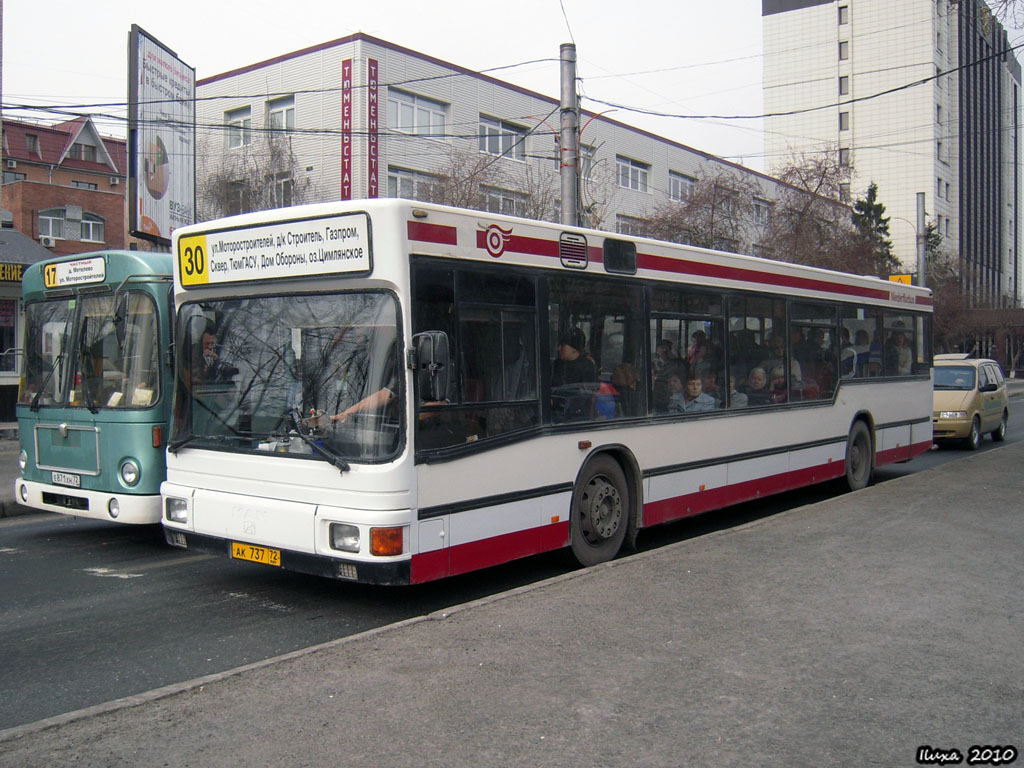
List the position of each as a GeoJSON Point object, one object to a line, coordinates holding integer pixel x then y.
{"type": "Point", "coordinates": [862, 343]}
{"type": "Point", "coordinates": [676, 391]}
{"type": "Point", "coordinates": [874, 367]}
{"type": "Point", "coordinates": [777, 356]}
{"type": "Point", "coordinates": [573, 379]}
{"type": "Point", "coordinates": [209, 368]}
{"type": "Point", "coordinates": [847, 355]}
{"type": "Point", "coordinates": [737, 399]}
{"type": "Point", "coordinates": [709, 384]}
{"type": "Point", "coordinates": [626, 382]}
{"type": "Point", "coordinates": [897, 358]}
{"type": "Point", "coordinates": [777, 385]}
{"type": "Point", "coordinates": [572, 366]}
{"type": "Point", "coordinates": [756, 388]}
{"type": "Point", "coordinates": [694, 399]}
{"type": "Point", "coordinates": [664, 363]}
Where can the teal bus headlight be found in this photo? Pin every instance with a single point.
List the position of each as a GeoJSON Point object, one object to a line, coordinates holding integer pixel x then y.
{"type": "Point", "coordinates": [130, 472]}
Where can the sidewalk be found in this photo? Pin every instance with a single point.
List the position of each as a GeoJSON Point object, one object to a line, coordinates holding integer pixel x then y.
{"type": "Point", "coordinates": [849, 632]}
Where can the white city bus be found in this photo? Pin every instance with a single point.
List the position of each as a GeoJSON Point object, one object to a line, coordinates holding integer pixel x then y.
{"type": "Point", "coordinates": [392, 392]}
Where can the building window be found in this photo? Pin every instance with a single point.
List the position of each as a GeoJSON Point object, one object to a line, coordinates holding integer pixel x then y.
{"type": "Point", "coordinates": [12, 176]}
{"type": "Point", "coordinates": [84, 185]}
{"type": "Point", "coordinates": [281, 188]}
{"type": "Point", "coordinates": [409, 184]}
{"type": "Point", "coordinates": [239, 123]}
{"type": "Point", "coordinates": [631, 174]}
{"type": "Point", "coordinates": [938, 187]}
{"type": "Point", "coordinates": [844, 85]}
{"type": "Point", "coordinates": [630, 225]}
{"type": "Point", "coordinates": [844, 14]}
{"type": "Point", "coordinates": [281, 114]}
{"type": "Point", "coordinates": [844, 121]}
{"type": "Point", "coordinates": [85, 152]}
{"type": "Point", "coordinates": [409, 113]}
{"type": "Point", "coordinates": [762, 212]}
{"type": "Point", "coordinates": [51, 223]}
{"type": "Point", "coordinates": [844, 50]}
{"type": "Point", "coordinates": [502, 139]}
{"type": "Point", "coordinates": [844, 156]}
{"type": "Point", "coordinates": [32, 143]}
{"type": "Point", "coordinates": [92, 228]}
{"type": "Point", "coordinates": [680, 186]}
{"type": "Point", "coordinates": [844, 191]}
{"type": "Point", "coordinates": [504, 201]}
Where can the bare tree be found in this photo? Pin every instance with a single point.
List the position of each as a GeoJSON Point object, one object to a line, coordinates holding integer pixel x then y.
{"type": "Point", "coordinates": [256, 177]}
{"type": "Point", "coordinates": [810, 224]}
{"type": "Point", "coordinates": [715, 215]}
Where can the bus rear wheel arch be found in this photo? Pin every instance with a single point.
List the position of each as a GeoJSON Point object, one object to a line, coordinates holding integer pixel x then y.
{"type": "Point", "coordinates": [601, 513]}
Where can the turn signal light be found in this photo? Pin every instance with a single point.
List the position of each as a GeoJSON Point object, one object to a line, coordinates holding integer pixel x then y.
{"type": "Point", "coordinates": [385, 541]}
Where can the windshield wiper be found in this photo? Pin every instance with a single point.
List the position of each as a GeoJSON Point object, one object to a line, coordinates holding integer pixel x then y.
{"type": "Point", "coordinates": [35, 400]}
{"type": "Point", "coordinates": [331, 456]}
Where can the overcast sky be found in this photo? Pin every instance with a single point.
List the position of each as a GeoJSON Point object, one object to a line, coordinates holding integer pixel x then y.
{"type": "Point", "coordinates": [674, 56]}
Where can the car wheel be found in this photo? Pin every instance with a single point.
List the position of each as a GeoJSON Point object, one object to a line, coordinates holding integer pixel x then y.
{"type": "Point", "coordinates": [999, 433]}
{"type": "Point", "coordinates": [973, 439]}
{"type": "Point", "coordinates": [859, 458]}
{"type": "Point", "coordinates": [600, 512]}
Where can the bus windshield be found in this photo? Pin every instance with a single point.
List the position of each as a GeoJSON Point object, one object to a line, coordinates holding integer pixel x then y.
{"type": "Point", "coordinates": [97, 352]}
{"type": "Point", "coordinates": [313, 376]}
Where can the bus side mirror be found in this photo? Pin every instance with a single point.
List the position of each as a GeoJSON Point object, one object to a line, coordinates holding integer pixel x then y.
{"type": "Point", "coordinates": [432, 360]}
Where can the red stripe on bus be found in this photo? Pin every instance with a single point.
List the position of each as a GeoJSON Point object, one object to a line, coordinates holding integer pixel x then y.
{"type": "Point", "coordinates": [496, 550]}
{"type": "Point", "coordinates": [743, 274]}
{"type": "Point", "coordinates": [676, 508]}
{"type": "Point", "coordinates": [433, 233]}
{"type": "Point", "coordinates": [474, 555]}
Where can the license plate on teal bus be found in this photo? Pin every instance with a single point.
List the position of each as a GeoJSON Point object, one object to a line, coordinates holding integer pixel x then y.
{"type": "Point", "coordinates": [255, 554]}
{"type": "Point", "coordinates": [66, 478]}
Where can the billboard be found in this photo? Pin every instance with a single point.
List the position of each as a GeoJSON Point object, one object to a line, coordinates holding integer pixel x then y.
{"type": "Point", "coordinates": [161, 139]}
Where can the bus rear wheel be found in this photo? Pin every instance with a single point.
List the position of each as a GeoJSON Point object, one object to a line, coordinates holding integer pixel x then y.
{"type": "Point", "coordinates": [859, 459]}
{"type": "Point", "coordinates": [600, 512]}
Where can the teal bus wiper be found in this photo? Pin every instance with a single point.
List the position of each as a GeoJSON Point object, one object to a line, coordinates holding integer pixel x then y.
{"type": "Point", "coordinates": [35, 400]}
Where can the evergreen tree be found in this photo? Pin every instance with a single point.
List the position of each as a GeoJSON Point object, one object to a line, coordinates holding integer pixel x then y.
{"type": "Point", "coordinates": [873, 226]}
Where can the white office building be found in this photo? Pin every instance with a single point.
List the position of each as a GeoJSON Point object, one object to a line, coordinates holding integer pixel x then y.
{"type": "Point", "coordinates": [919, 96]}
{"type": "Point", "coordinates": [366, 118]}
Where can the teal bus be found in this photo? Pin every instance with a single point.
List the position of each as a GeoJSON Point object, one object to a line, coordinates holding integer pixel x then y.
{"type": "Point", "coordinates": [95, 393]}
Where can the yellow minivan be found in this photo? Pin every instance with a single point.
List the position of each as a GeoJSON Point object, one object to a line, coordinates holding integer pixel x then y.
{"type": "Point", "coordinates": [969, 400]}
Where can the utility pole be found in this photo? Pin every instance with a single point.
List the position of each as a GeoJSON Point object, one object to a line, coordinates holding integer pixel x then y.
{"type": "Point", "coordinates": [922, 241]}
{"type": "Point", "coordinates": [568, 164]}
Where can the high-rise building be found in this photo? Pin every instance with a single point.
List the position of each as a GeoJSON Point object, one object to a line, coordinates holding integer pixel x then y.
{"type": "Point", "coordinates": [918, 96]}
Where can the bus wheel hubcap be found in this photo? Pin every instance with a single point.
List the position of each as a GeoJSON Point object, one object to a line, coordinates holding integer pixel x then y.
{"type": "Point", "coordinates": [602, 510]}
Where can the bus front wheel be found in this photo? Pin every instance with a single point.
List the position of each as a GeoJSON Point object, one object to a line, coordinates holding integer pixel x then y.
{"type": "Point", "coordinates": [600, 512]}
{"type": "Point", "coordinates": [859, 459]}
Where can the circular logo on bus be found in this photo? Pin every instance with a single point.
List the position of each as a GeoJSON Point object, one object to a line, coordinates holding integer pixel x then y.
{"type": "Point", "coordinates": [495, 238]}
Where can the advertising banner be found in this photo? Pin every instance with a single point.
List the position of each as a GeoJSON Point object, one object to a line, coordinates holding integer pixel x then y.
{"type": "Point", "coordinates": [162, 138]}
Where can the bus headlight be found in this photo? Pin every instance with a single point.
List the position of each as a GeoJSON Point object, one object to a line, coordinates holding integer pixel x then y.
{"type": "Point", "coordinates": [176, 510]}
{"type": "Point", "coordinates": [130, 473]}
{"type": "Point", "coordinates": [23, 459]}
{"type": "Point", "coordinates": [344, 538]}
{"type": "Point", "coordinates": [113, 508]}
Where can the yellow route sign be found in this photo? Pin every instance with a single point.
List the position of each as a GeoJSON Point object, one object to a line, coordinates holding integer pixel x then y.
{"type": "Point", "coordinates": [908, 279]}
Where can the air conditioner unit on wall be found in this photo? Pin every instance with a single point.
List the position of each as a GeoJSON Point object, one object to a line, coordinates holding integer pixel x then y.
{"type": "Point", "coordinates": [114, 181]}
{"type": "Point", "coordinates": [12, 164]}
{"type": "Point", "coordinates": [46, 241]}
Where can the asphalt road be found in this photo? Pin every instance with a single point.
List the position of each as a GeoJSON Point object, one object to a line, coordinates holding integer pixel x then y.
{"type": "Point", "coordinates": [91, 612]}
